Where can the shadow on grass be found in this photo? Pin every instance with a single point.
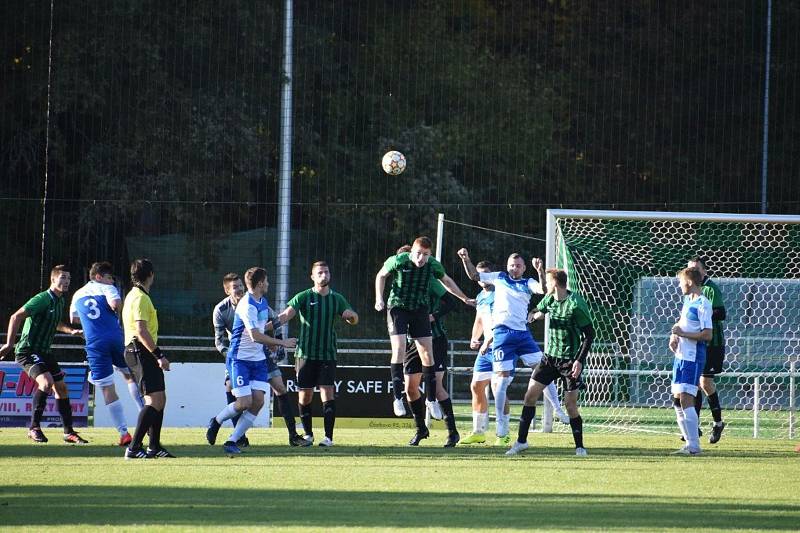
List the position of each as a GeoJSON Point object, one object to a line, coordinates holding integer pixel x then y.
{"type": "Point", "coordinates": [57, 450]}
{"type": "Point", "coordinates": [190, 507]}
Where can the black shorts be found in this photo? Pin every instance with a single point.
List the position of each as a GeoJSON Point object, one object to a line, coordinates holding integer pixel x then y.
{"type": "Point", "coordinates": [416, 324]}
{"type": "Point", "coordinates": [413, 364]}
{"type": "Point", "coordinates": [144, 367]}
{"type": "Point", "coordinates": [715, 357]}
{"type": "Point", "coordinates": [551, 369]}
{"type": "Point", "coordinates": [37, 364]}
{"type": "Point", "coordinates": [315, 373]}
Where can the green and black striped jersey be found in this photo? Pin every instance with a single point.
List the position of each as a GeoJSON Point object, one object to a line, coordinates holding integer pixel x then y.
{"type": "Point", "coordinates": [318, 314]}
{"type": "Point", "coordinates": [567, 317]}
{"type": "Point", "coordinates": [45, 311]}
{"type": "Point", "coordinates": [714, 295]}
{"type": "Point", "coordinates": [410, 284]}
{"type": "Point", "coordinates": [438, 308]}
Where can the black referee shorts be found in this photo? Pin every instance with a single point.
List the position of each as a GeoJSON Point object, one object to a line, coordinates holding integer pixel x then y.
{"type": "Point", "coordinates": [413, 364]}
{"type": "Point", "coordinates": [414, 323]}
{"type": "Point", "coordinates": [144, 367]}
{"type": "Point", "coordinates": [551, 369]}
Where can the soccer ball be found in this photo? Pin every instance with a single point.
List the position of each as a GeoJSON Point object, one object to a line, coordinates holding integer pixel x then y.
{"type": "Point", "coordinates": [393, 163]}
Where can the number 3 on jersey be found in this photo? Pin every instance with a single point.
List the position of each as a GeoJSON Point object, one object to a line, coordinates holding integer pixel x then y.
{"type": "Point", "coordinates": [94, 311]}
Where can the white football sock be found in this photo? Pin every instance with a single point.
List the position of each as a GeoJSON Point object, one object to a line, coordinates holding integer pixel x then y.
{"type": "Point", "coordinates": [499, 388]}
{"type": "Point", "coordinates": [477, 422]}
{"type": "Point", "coordinates": [551, 394]}
{"type": "Point", "coordinates": [227, 413]}
{"type": "Point", "coordinates": [691, 421]}
{"type": "Point", "coordinates": [245, 422]}
{"type": "Point", "coordinates": [484, 422]}
{"type": "Point", "coordinates": [118, 416]}
{"type": "Point", "coordinates": [133, 389]}
{"type": "Point", "coordinates": [681, 421]}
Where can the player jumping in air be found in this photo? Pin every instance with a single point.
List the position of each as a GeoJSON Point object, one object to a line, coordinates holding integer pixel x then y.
{"type": "Point", "coordinates": [408, 313]}
{"type": "Point", "coordinates": [511, 338]}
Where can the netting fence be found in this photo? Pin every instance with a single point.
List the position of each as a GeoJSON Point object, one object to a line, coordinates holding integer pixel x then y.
{"type": "Point", "coordinates": [143, 128]}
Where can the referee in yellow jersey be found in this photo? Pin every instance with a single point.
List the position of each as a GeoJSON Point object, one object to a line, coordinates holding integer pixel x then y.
{"type": "Point", "coordinates": [146, 361]}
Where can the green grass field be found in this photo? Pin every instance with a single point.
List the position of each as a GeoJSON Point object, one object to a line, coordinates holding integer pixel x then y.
{"type": "Point", "coordinates": [371, 481]}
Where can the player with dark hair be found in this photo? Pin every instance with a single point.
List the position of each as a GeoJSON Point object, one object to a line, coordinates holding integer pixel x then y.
{"type": "Point", "coordinates": [223, 318]}
{"type": "Point", "coordinates": [688, 342]}
{"type": "Point", "coordinates": [440, 303]}
{"type": "Point", "coordinates": [715, 351]}
{"type": "Point", "coordinates": [315, 356]}
{"type": "Point", "coordinates": [246, 360]}
{"type": "Point", "coordinates": [569, 342]}
{"type": "Point", "coordinates": [408, 313]}
{"type": "Point", "coordinates": [40, 318]}
{"type": "Point", "coordinates": [96, 306]}
{"type": "Point", "coordinates": [146, 361]}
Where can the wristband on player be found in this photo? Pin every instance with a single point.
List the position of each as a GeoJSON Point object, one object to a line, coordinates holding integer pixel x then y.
{"type": "Point", "coordinates": [157, 353]}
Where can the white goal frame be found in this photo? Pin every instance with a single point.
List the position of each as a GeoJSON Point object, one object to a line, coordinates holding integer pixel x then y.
{"type": "Point", "coordinates": [550, 261]}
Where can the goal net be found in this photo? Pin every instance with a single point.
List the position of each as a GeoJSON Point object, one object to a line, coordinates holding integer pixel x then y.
{"type": "Point", "coordinates": [624, 265]}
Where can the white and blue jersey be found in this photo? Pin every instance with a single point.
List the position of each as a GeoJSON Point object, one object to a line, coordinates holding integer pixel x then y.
{"type": "Point", "coordinates": [484, 363]}
{"type": "Point", "coordinates": [246, 360]}
{"type": "Point", "coordinates": [511, 300]}
{"type": "Point", "coordinates": [512, 339]}
{"type": "Point", "coordinates": [690, 356]}
{"type": "Point", "coordinates": [101, 329]}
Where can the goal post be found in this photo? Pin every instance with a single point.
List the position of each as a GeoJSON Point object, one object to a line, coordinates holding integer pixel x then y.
{"type": "Point", "coordinates": [624, 264]}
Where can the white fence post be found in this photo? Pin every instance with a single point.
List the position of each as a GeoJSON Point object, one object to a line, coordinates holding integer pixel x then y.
{"type": "Point", "coordinates": [756, 402]}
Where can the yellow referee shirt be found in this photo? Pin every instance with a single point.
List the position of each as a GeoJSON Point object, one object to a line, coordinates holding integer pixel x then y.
{"type": "Point", "coordinates": [139, 306]}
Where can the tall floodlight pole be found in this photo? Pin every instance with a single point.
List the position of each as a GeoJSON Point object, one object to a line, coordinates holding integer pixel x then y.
{"type": "Point", "coordinates": [765, 147]}
{"type": "Point", "coordinates": [285, 170]}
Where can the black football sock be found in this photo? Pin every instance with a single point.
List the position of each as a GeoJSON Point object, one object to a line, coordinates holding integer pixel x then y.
{"type": "Point", "coordinates": [449, 417]}
{"type": "Point", "coordinates": [147, 416]}
{"type": "Point", "coordinates": [525, 419]}
{"type": "Point", "coordinates": [329, 417]}
{"type": "Point", "coordinates": [305, 419]}
{"type": "Point", "coordinates": [65, 410]}
{"type": "Point", "coordinates": [39, 403]}
{"type": "Point", "coordinates": [716, 409]}
{"type": "Point", "coordinates": [577, 430]}
{"type": "Point", "coordinates": [398, 381]}
{"type": "Point", "coordinates": [287, 414]}
{"type": "Point", "coordinates": [418, 410]}
{"type": "Point", "coordinates": [155, 431]}
{"type": "Point", "coordinates": [698, 403]}
{"type": "Point", "coordinates": [429, 379]}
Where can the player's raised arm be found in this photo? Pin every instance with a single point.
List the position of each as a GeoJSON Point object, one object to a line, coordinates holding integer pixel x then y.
{"type": "Point", "coordinates": [538, 265]}
{"type": "Point", "coordinates": [469, 268]}
{"type": "Point", "coordinates": [453, 289]}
